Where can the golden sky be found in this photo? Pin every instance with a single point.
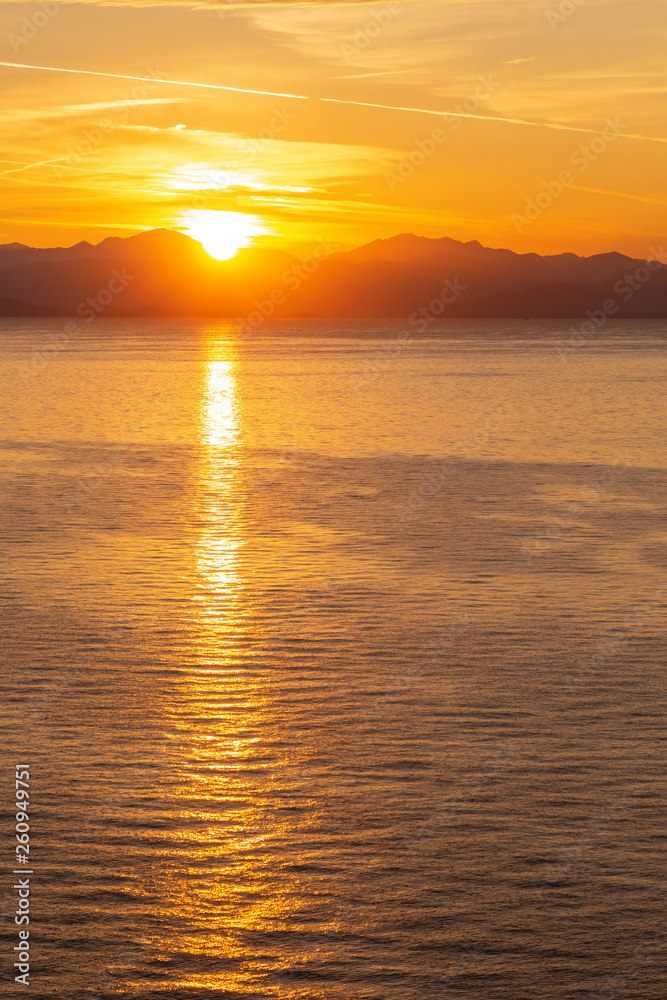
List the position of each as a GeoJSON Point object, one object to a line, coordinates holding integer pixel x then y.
{"type": "Point", "coordinates": [549, 130]}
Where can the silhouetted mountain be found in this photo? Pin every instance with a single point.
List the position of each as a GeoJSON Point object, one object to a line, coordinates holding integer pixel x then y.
{"type": "Point", "coordinates": [154, 244]}
{"type": "Point", "coordinates": [12, 307]}
{"type": "Point", "coordinates": [504, 264]}
{"type": "Point", "coordinates": [165, 273]}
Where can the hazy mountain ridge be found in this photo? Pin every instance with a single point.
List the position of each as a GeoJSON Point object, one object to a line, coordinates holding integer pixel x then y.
{"type": "Point", "coordinates": [165, 273]}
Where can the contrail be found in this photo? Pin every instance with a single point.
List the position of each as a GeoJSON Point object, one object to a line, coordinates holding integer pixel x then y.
{"type": "Point", "coordinates": [619, 194]}
{"type": "Point", "coordinates": [366, 76]}
{"type": "Point", "coordinates": [154, 79]}
{"type": "Point", "coordinates": [337, 100]}
{"type": "Point", "coordinates": [29, 166]}
{"type": "Point", "coordinates": [489, 118]}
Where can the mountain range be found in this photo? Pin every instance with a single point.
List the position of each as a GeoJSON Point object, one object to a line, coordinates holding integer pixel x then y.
{"type": "Point", "coordinates": [165, 273]}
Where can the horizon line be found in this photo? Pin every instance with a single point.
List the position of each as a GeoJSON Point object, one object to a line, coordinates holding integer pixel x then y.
{"type": "Point", "coordinates": [659, 254]}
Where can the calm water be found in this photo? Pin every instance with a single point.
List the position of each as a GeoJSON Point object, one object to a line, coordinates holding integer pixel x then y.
{"type": "Point", "coordinates": [338, 660]}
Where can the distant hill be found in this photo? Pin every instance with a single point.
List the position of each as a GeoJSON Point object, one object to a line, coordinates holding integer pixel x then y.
{"type": "Point", "coordinates": [154, 244]}
{"type": "Point", "coordinates": [165, 273]}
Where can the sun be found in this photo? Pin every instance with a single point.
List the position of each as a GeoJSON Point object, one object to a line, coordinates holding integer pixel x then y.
{"type": "Point", "coordinates": [223, 234]}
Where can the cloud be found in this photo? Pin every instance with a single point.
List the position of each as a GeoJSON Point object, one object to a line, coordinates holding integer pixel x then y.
{"type": "Point", "coordinates": [20, 116]}
{"type": "Point", "coordinates": [366, 76]}
{"type": "Point", "coordinates": [29, 166]}
{"type": "Point", "coordinates": [620, 194]}
{"type": "Point", "coordinates": [351, 88]}
{"type": "Point", "coordinates": [336, 100]}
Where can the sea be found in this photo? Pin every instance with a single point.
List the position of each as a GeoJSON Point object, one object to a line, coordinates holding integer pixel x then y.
{"type": "Point", "coordinates": [335, 654]}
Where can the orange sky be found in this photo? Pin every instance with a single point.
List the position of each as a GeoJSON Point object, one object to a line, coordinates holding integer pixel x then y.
{"type": "Point", "coordinates": [86, 156]}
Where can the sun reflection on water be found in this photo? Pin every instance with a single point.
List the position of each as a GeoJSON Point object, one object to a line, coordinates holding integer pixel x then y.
{"type": "Point", "coordinates": [226, 746]}
{"type": "Point", "coordinates": [219, 497]}
{"type": "Point", "coordinates": [220, 410]}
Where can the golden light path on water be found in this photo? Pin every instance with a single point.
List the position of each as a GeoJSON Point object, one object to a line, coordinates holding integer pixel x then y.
{"type": "Point", "coordinates": [218, 495]}
{"type": "Point", "coordinates": [317, 706]}
{"type": "Point", "coordinates": [221, 717]}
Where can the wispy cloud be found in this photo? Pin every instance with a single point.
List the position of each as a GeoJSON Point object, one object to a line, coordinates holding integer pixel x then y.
{"type": "Point", "coordinates": [18, 116]}
{"type": "Point", "coordinates": [367, 76]}
{"type": "Point", "coordinates": [559, 126]}
{"type": "Point", "coordinates": [619, 194]}
{"type": "Point", "coordinates": [353, 104]}
{"type": "Point", "coordinates": [30, 166]}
